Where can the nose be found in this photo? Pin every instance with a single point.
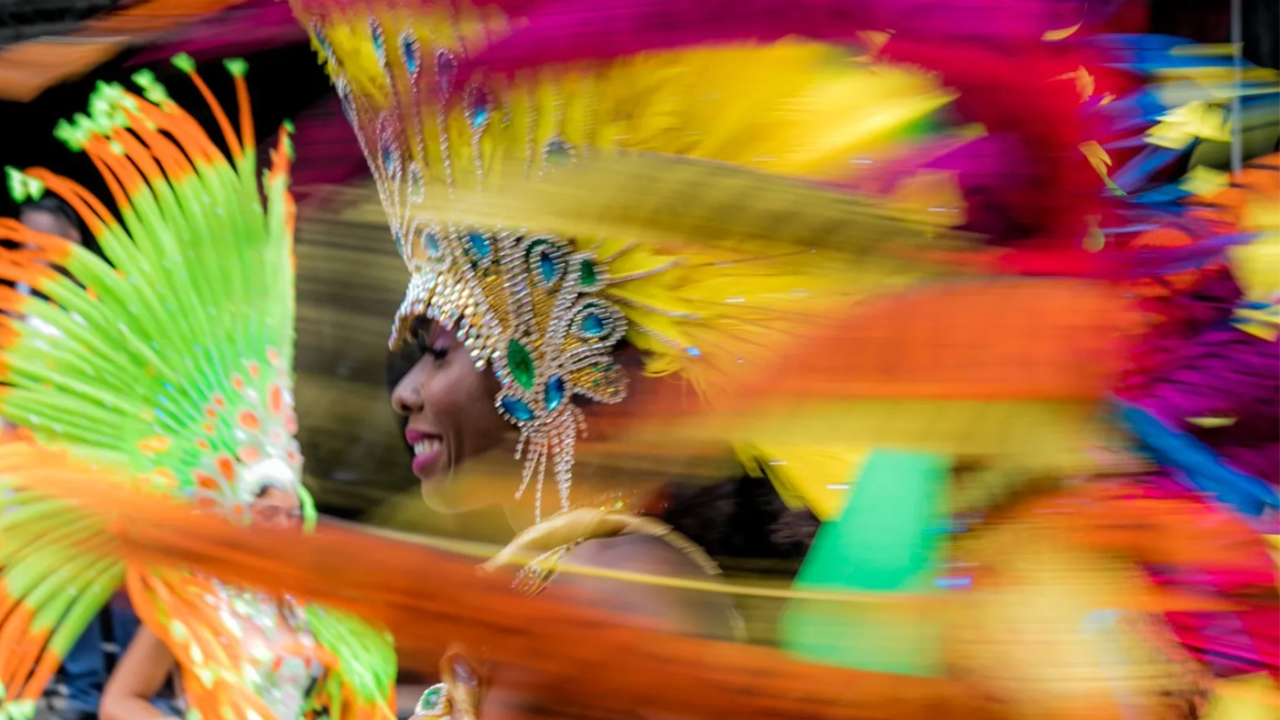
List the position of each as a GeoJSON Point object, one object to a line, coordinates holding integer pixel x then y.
{"type": "Point", "coordinates": [406, 398]}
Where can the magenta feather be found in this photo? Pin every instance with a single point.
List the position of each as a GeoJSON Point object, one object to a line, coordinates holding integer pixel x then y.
{"type": "Point", "coordinates": [252, 27]}
{"type": "Point", "coordinates": [559, 31]}
{"type": "Point", "coordinates": [330, 154]}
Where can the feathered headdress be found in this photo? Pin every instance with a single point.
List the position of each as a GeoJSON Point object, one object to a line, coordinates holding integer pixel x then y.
{"type": "Point", "coordinates": [166, 366]}
{"type": "Point", "coordinates": [541, 282]}
{"type": "Point", "coordinates": [562, 174]}
{"type": "Point", "coordinates": [211, 328]}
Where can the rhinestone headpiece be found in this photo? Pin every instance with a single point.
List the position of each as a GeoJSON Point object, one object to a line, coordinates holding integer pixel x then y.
{"type": "Point", "coordinates": [526, 304]}
{"type": "Point", "coordinates": [544, 310]}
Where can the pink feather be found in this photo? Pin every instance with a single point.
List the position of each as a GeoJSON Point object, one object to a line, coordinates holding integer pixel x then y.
{"type": "Point", "coordinates": [330, 153]}
{"type": "Point", "coordinates": [254, 26]}
{"type": "Point", "coordinates": [558, 31]}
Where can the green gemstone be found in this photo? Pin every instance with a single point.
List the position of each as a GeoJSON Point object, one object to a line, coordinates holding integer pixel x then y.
{"type": "Point", "coordinates": [587, 274]}
{"type": "Point", "coordinates": [520, 363]}
{"type": "Point", "coordinates": [432, 701]}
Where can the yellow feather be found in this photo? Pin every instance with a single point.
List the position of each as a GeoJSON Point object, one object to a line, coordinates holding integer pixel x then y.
{"type": "Point", "coordinates": [1253, 697]}
{"type": "Point", "coordinates": [1056, 438]}
{"type": "Point", "coordinates": [819, 478]}
{"type": "Point", "coordinates": [678, 161]}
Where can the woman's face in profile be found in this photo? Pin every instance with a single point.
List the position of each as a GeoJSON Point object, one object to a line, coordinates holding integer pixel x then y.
{"type": "Point", "coordinates": [276, 508]}
{"type": "Point", "coordinates": [449, 407]}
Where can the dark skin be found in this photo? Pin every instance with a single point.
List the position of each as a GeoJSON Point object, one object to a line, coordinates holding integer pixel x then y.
{"type": "Point", "coordinates": [677, 611]}
{"type": "Point", "coordinates": [445, 398]}
{"type": "Point", "coordinates": [445, 395]}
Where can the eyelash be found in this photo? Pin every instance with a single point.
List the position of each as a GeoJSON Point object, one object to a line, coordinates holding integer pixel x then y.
{"type": "Point", "coordinates": [426, 348]}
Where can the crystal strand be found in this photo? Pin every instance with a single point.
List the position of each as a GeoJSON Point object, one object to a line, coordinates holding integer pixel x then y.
{"type": "Point", "coordinates": [565, 456]}
{"type": "Point", "coordinates": [527, 471]}
{"type": "Point", "coordinates": [541, 464]}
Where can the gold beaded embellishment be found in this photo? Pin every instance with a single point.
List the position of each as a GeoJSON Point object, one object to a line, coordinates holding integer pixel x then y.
{"type": "Point", "coordinates": [525, 304]}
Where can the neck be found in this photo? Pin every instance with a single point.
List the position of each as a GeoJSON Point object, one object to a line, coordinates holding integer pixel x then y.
{"type": "Point", "coordinates": [632, 497]}
{"type": "Point", "coordinates": [612, 475]}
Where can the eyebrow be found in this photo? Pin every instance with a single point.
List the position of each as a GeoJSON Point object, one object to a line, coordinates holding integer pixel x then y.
{"type": "Point", "coordinates": [420, 320]}
{"type": "Point", "coordinates": [434, 329]}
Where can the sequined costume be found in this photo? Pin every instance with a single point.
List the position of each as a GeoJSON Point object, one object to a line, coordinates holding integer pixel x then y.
{"type": "Point", "coordinates": [164, 367]}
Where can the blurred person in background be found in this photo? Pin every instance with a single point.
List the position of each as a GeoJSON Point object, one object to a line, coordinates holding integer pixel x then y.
{"type": "Point", "coordinates": [151, 373]}
{"type": "Point", "coordinates": [85, 670]}
{"type": "Point", "coordinates": [52, 216]}
{"type": "Point", "coordinates": [148, 665]}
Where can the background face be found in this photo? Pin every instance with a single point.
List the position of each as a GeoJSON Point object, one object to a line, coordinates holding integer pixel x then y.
{"type": "Point", "coordinates": [50, 223]}
{"type": "Point", "coordinates": [276, 508]}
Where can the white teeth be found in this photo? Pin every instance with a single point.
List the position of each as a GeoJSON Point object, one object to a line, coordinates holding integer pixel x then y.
{"type": "Point", "coordinates": [426, 445]}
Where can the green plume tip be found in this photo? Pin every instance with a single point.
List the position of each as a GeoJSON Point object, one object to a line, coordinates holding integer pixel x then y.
{"type": "Point", "coordinates": [66, 133]}
{"type": "Point", "coordinates": [105, 111]}
{"type": "Point", "coordinates": [238, 67]}
{"type": "Point", "coordinates": [152, 89]}
{"type": "Point", "coordinates": [184, 62]}
{"type": "Point", "coordinates": [23, 187]}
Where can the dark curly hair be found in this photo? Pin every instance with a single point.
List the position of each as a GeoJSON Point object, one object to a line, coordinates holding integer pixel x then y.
{"type": "Point", "coordinates": [741, 519]}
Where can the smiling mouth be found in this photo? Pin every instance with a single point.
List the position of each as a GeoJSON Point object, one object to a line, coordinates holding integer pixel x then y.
{"type": "Point", "coordinates": [427, 446]}
{"type": "Point", "coordinates": [425, 452]}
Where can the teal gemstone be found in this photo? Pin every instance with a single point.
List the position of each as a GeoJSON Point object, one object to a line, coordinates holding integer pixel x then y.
{"type": "Point", "coordinates": [431, 243]}
{"type": "Point", "coordinates": [587, 274]}
{"type": "Point", "coordinates": [390, 160]}
{"type": "Point", "coordinates": [410, 52]}
{"type": "Point", "coordinates": [480, 244]}
{"type": "Point", "coordinates": [517, 409]}
{"type": "Point", "coordinates": [322, 40]}
{"type": "Point", "coordinates": [479, 110]}
{"type": "Point", "coordinates": [379, 41]}
{"type": "Point", "coordinates": [558, 152]}
{"type": "Point", "coordinates": [547, 266]}
{"type": "Point", "coordinates": [432, 701]}
{"type": "Point", "coordinates": [555, 393]}
{"type": "Point", "coordinates": [593, 325]}
{"type": "Point", "coordinates": [520, 363]}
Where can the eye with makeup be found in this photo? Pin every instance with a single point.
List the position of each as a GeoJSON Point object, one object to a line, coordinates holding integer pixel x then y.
{"type": "Point", "coordinates": [439, 349]}
{"type": "Point", "coordinates": [430, 340]}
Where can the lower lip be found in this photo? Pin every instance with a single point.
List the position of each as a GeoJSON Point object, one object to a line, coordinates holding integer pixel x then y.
{"type": "Point", "coordinates": [424, 461]}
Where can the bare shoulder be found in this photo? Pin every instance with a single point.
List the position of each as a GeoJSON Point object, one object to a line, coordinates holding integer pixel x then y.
{"type": "Point", "coordinates": [634, 553]}
{"type": "Point", "coordinates": [679, 610]}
